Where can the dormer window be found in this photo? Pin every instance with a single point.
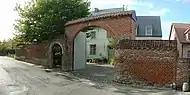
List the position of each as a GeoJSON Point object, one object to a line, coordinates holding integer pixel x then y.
{"type": "Point", "coordinates": [148, 30]}
{"type": "Point", "coordinates": [188, 36]}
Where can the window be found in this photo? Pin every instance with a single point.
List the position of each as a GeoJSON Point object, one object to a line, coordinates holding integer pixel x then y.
{"type": "Point", "coordinates": [93, 34]}
{"type": "Point", "coordinates": [188, 53]}
{"type": "Point", "coordinates": [148, 30]}
{"type": "Point", "coordinates": [93, 49]}
{"type": "Point", "coordinates": [137, 29]}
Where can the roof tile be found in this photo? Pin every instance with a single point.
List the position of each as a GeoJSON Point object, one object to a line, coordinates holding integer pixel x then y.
{"type": "Point", "coordinates": [106, 15]}
{"type": "Point", "coordinates": [181, 29]}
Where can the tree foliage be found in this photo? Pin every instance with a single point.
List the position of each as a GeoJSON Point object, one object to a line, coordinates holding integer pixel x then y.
{"type": "Point", "coordinates": [7, 44]}
{"type": "Point", "coordinates": [45, 19]}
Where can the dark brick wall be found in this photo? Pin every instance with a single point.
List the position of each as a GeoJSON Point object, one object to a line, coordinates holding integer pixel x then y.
{"type": "Point", "coordinates": [147, 61]}
{"type": "Point", "coordinates": [33, 51]}
{"type": "Point", "coordinates": [116, 27]}
{"type": "Point", "coordinates": [41, 53]}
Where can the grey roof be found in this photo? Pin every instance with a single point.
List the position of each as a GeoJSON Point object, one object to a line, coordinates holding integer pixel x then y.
{"type": "Point", "coordinates": [155, 21]}
{"type": "Point", "coordinates": [103, 11]}
{"type": "Point", "coordinates": [112, 10]}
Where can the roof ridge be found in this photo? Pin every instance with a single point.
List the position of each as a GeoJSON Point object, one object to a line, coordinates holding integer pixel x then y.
{"type": "Point", "coordinates": [110, 14]}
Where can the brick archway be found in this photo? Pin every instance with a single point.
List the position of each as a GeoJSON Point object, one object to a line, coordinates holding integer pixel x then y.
{"type": "Point", "coordinates": [118, 24]}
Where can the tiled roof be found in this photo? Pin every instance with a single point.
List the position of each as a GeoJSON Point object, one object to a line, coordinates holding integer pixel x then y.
{"type": "Point", "coordinates": [106, 15]}
{"type": "Point", "coordinates": [181, 29]}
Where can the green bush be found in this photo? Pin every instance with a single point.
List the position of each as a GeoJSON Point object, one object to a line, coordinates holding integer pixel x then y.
{"type": "Point", "coordinates": [112, 61]}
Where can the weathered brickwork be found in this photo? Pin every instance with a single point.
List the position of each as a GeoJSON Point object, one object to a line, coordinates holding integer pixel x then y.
{"type": "Point", "coordinates": [42, 53]}
{"type": "Point", "coordinates": [116, 27]}
{"type": "Point", "coordinates": [34, 53]}
{"type": "Point", "coordinates": [147, 61]}
{"type": "Point", "coordinates": [183, 68]}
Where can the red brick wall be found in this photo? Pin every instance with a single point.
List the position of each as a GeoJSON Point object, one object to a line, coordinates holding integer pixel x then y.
{"type": "Point", "coordinates": [32, 51]}
{"type": "Point", "coordinates": [117, 27]}
{"type": "Point", "coordinates": [147, 61]}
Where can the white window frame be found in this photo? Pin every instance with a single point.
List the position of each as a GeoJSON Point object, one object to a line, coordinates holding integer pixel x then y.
{"type": "Point", "coordinates": [93, 50]}
{"type": "Point", "coordinates": [146, 30]}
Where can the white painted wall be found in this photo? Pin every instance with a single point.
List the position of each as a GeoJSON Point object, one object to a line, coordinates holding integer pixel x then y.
{"type": "Point", "coordinates": [80, 51]}
{"type": "Point", "coordinates": [101, 42]}
{"type": "Point", "coordinates": [173, 34]}
{"type": "Point", "coordinates": [148, 38]}
{"type": "Point", "coordinates": [186, 48]}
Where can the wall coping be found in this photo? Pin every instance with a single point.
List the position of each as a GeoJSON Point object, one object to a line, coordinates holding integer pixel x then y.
{"type": "Point", "coordinates": [147, 44]}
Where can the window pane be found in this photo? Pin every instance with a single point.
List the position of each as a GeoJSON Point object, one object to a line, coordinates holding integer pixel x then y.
{"type": "Point", "coordinates": [92, 49]}
{"type": "Point", "coordinates": [93, 34]}
{"type": "Point", "coordinates": [148, 30]}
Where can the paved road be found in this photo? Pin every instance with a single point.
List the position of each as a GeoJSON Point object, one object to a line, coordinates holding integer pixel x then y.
{"type": "Point", "coordinates": [20, 78]}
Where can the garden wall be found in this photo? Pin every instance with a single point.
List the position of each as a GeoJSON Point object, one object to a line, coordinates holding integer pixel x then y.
{"type": "Point", "coordinates": [147, 61]}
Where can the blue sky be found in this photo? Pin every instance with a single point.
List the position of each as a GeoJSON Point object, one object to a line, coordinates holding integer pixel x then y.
{"type": "Point", "coordinates": [171, 11]}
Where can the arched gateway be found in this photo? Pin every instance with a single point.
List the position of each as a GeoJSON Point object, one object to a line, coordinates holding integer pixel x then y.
{"type": "Point", "coordinates": [117, 25]}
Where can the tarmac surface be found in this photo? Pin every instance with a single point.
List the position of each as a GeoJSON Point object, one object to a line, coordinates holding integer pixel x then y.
{"type": "Point", "coordinates": [21, 78]}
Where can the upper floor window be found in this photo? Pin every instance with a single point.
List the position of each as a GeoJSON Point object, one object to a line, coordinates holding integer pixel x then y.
{"type": "Point", "coordinates": [93, 34]}
{"type": "Point", "coordinates": [148, 30]}
{"type": "Point", "coordinates": [188, 53]}
{"type": "Point", "coordinates": [93, 49]}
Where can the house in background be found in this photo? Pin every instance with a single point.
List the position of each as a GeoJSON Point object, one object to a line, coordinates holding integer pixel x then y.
{"type": "Point", "coordinates": [181, 33]}
{"type": "Point", "coordinates": [148, 28]}
{"type": "Point", "coordinates": [96, 43]}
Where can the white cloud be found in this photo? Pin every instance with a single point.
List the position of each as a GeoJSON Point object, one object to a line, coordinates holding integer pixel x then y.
{"type": "Point", "coordinates": [154, 12]}
{"type": "Point", "coordinates": [160, 12]}
{"type": "Point", "coordinates": [183, 1]}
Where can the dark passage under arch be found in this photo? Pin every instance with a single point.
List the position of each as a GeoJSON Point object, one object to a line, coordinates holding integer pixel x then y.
{"type": "Point", "coordinates": [57, 56]}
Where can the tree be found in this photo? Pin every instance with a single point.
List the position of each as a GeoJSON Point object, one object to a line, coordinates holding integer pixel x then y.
{"type": "Point", "coordinates": [45, 19]}
{"type": "Point", "coordinates": [3, 45]}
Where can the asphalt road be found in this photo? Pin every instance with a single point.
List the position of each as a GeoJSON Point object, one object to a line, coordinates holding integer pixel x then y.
{"type": "Point", "coordinates": [20, 78]}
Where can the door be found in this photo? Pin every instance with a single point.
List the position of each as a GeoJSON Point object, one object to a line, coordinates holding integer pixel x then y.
{"type": "Point", "coordinates": [57, 56]}
{"type": "Point", "coordinates": [80, 51]}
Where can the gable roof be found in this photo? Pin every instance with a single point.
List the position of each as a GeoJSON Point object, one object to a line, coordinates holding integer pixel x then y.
{"type": "Point", "coordinates": [180, 29]}
{"type": "Point", "coordinates": [155, 21]}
